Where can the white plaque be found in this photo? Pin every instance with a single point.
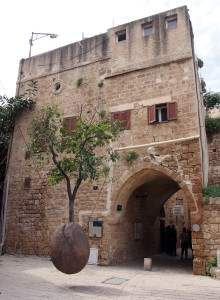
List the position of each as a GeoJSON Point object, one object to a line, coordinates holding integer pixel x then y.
{"type": "Point", "coordinates": [196, 227]}
{"type": "Point", "coordinates": [178, 210]}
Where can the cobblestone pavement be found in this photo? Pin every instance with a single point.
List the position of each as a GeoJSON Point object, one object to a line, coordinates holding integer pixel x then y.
{"type": "Point", "coordinates": [171, 278]}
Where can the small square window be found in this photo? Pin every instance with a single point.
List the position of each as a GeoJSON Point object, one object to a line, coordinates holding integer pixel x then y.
{"type": "Point", "coordinates": [121, 36]}
{"type": "Point", "coordinates": [148, 30]}
{"type": "Point", "coordinates": [161, 113]}
{"type": "Point", "coordinates": [171, 22]}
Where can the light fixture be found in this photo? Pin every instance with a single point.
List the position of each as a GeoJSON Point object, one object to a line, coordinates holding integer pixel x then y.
{"type": "Point", "coordinates": [152, 152]}
{"type": "Point", "coordinates": [153, 155]}
{"type": "Point", "coordinates": [40, 36]}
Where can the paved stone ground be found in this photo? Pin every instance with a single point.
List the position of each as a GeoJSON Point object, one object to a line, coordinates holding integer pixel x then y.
{"type": "Point", "coordinates": [171, 278]}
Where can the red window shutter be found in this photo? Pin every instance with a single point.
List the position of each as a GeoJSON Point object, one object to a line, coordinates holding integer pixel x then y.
{"type": "Point", "coordinates": [151, 114]}
{"type": "Point", "coordinates": [70, 124]}
{"type": "Point", "coordinates": [127, 119]}
{"type": "Point", "coordinates": [171, 111]}
{"type": "Point", "coordinates": [122, 116]}
{"type": "Point", "coordinates": [66, 126]}
{"type": "Point", "coordinates": [73, 124]}
{"type": "Point", "coordinates": [116, 116]}
{"type": "Point", "coordinates": [42, 146]}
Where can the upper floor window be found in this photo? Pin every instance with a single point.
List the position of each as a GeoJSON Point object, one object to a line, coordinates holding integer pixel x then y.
{"type": "Point", "coordinates": [122, 116]}
{"type": "Point", "coordinates": [162, 112]}
{"type": "Point", "coordinates": [171, 21]}
{"type": "Point", "coordinates": [70, 124]}
{"type": "Point", "coordinates": [121, 36]}
{"type": "Point", "coordinates": [148, 29]}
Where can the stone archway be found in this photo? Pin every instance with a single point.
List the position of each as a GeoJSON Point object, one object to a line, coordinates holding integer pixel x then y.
{"type": "Point", "coordinates": [159, 183]}
{"type": "Point", "coordinates": [142, 172]}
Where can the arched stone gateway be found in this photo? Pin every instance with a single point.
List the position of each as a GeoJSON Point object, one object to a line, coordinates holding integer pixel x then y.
{"type": "Point", "coordinates": [140, 194]}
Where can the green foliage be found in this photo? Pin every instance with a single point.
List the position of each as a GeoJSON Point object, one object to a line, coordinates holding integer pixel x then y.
{"type": "Point", "coordinates": [106, 170]}
{"type": "Point", "coordinates": [79, 81]}
{"type": "Point", "coordinates": [102, 113]}
{"type": "Point", "coordinates": [212, 263]}
{"type": "Point", "coordinates": [210, 191]}
{"type": "Point", "coordinates": [211, 100]}
{"type": "Point", "coordinates": [203, 85]}
{"type": "Point", "coordinates": [206, 200]}
{"type": "Point", "coordinates": [78, 156]}
{"type": "Point", "coordinates": [10, 109]}
{"type": "Point", "coordinates": [212, 124]}
{"type": "Point", "coordinates": [100, 83]}
{"type": "Point", "coordinates": [200, 63]}
{"type": "Point", "coordinates": [131, 156]}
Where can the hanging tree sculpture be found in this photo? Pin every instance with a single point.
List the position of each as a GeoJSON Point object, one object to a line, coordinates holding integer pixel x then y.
{"type": "Point", "coordinates": [74, 149]}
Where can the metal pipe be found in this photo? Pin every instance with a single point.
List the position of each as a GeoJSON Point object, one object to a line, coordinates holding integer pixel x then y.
{"type": "Point", "coordinates": [4, 217]}
{"type": "Point", "coordinates": [158, 143]}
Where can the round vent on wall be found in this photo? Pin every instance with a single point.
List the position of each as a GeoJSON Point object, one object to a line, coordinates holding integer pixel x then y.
{"type": "Point", "coordinates": [57, 87]}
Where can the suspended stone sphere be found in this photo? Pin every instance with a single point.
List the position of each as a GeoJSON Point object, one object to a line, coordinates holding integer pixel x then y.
{"type": "Point", "coordinates": [69, 248]}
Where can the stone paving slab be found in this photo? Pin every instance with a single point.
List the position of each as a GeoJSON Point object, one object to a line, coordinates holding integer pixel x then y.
{"type": "Point", "coordinates": [170, 278]}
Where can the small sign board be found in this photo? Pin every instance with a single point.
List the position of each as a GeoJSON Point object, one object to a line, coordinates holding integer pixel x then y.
{"type": "Point", "coordinates": [95, 188]}
{"type": "Point", "coordinates": [178, 210]}
{"type": "Point", "coordinates": [95, 228]}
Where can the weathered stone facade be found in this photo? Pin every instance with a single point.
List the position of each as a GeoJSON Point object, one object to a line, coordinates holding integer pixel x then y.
{"type": "Point", "coordinates": [141, 73]}
{"type": "Point", "coordinates": [211, 229]}
{"type": "Point", "coordinates": [214, 158]}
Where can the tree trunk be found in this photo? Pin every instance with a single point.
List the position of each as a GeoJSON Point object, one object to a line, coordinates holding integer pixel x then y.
{"type": "Point", "coordinates": [71, 210]}
{"type": "Point", "coordinates": [72, 199]}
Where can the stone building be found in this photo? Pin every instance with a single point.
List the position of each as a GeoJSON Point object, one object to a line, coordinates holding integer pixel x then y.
{"type": "Point", "coordinates": [149, 72]}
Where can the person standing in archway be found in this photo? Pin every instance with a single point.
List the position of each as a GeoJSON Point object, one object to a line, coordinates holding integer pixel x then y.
{"type": "Point", "coordinates": [173, 241]}
{"type": "Point", "coordinates": [184, 237]}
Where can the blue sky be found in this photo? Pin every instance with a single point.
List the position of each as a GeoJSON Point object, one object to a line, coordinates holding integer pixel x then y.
{"type": "Point", "coordinates": [69, 19]}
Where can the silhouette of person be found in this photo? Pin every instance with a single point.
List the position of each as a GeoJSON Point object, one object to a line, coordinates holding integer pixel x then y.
{"type": "Point", "coordinates": [190, 239]}
{"type": "Point", "coordinates": [184, 237]}
{"type": "Point", "coordinates": [173, 241]}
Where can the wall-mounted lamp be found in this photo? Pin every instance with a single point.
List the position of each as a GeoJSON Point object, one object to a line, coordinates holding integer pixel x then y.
{"type": "Point", "coordinates": [152, 152]}
{"type": "Point", "coordinates": [40, 36]}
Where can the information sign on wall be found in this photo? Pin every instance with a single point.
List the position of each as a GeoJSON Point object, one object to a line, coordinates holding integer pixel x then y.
{"type": "Point", "coordinates": [95, 228]}
{"type": "Point", "coordinates": [178, 210]}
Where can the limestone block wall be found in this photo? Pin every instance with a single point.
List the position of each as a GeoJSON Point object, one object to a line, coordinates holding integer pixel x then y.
{"type": "Point", "coordinates": [214, 158]}
{"type": "Point", "coordinates": [211, 228]}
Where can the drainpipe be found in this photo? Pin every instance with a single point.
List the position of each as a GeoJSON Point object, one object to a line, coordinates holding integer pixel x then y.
{"type": "Point", "coordinates": [198, 92]}
{"type": "Point", "coordinates": [4, 217]}
{"type": "Point", "coordinates": [159, 143]}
